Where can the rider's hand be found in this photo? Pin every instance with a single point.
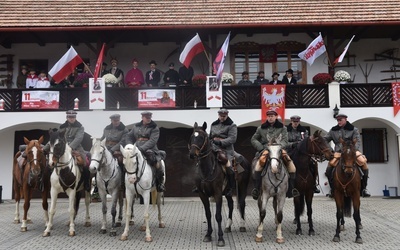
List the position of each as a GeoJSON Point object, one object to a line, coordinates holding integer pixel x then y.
{"type": "Point", "coordinates": [217, 142]}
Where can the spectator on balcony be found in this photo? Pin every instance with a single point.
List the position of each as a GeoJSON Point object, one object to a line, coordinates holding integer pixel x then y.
{"type": "Point", "coordinates": [103, 70]}
{"type": "Point", "coordinates": [260, 79]}
{"type": "Point", "coordinates": [134, 78]}
{"type": "Point", "coordinates": [171, 77]}
{"type": "Point", "coordinates": [275, 80]}
{"type": "Point", "coordinates": [117, 72]}
{"type": "Point", "coordinates": [185, 76]}
{"type": "Point", "coordinates": [42, 82]}
{"type": "Point", "coordinates": [153, 76]}
{"type": "Point", "coordinates": [245, 79]}
{"type": "Point", "coordinates": [31, 79]}
{"type": "Point", "coordinates": [288, 78]}
{"type": "Point", "coordinates": [21, 78]}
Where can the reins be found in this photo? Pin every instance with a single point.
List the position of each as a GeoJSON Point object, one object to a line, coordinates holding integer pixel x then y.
{"type": "Point", "coordinates": [203, 153]}
{"type": "Point", "coordinates": [138, 173]}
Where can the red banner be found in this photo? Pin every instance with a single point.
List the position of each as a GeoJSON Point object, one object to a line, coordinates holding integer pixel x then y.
{"type": "Point", "coordinates": [396, 97]}
{"type": "Point", "coordinates": [273, 97]}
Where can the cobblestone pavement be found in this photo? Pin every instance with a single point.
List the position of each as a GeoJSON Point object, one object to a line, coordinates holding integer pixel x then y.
{"type": "Point", "coordinates": [186, 227]}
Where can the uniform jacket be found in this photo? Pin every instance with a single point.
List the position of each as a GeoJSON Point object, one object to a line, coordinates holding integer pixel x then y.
{"type": "Point", "coordinates": [21, 81]}
{"type": "Point", "coordinates": [266, 132]}
{"type": "Point", "coordinates": [226, 132]}
{"type": "Point", "coordinates": [245, 83]}
{"type": "Point", "coordinates": [145, 136]}
{"type": "Point", "coordinates": [43, 83]}
{"type": "Point", "coordinates": [74, 134]}
{"type": "Point", "coordinates": [114, 136]}
{"type": "Point", "coordinates": [294, 134]}
{"type": "Point", "coordinates": [153, 78]}
{"type": "Point", "coordinates": [347, 132]}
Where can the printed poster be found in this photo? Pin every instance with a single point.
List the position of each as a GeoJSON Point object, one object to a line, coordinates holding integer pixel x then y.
{"type": "Point", "coordinates": [214, 92]}
{"type": "Point", "coordinates": [156, 98]}
{"type": "Point", "coordinates": [97, 94]}
{"type": "Point", "coordinates": [273, 98]}
{"type": "Point", "coordinates": [40, 99]}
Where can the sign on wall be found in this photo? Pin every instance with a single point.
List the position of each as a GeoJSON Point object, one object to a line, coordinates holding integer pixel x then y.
{"type": "Point", "coordinates": [40, 99]}
{"type": "Point", "coordinates": [214, 92]}
{"type": "Point", "coordinates": [154, 98]}
{"type": "Point", "coordinates": [97, 94]}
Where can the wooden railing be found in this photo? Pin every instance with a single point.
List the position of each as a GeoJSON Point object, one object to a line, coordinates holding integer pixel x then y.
{"type": "Point", "coordinates": [234, 97]}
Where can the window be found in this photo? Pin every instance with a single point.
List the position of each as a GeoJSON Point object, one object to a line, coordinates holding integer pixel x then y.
{"type": "Point", "coordinates": [245, 57]}
{"type": "Point", "coordinates": [374, 142]}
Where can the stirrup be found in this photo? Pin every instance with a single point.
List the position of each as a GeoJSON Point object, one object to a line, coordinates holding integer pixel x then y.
{"type": "Point", "coordinates": [295, 192]}
{"type": "Point", "coordinates": [255, 193]}
{"type": "Point", "coordinates": [365, 193]}
{"type": "Point", "coordinates": [316, 190]}
{"type": "Point", "coordinates": [160, 188]}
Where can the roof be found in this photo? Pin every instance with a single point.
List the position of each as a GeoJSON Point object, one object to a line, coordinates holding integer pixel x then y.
{"type": "Point", "coordinates": [128, 14]}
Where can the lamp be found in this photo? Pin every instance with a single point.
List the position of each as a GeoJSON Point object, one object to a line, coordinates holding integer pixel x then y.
{"type": "Point", "coordinates": [335, 111]}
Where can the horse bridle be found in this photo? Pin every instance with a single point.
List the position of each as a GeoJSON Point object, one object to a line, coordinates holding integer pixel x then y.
{"type": "Point", "coordinates": [137, 170]}
{"type": "Point", "coordinates": [100, 162]}
{"type": "Point", "coordinates": [320, 157]}
{"type": "Point", "coordinates": [200, 149]}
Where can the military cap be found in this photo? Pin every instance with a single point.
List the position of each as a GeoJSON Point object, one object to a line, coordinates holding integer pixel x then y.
{"type": "Point", "coordinates": [341, 116]}
{"type": "Point", "coordinates": [115, 117]}
{"type": "Point", "coordinates": [71, 113]}
{"type": "Point", "coordinates": [146, 113]}
{"type": "Point", "coordinates": [271, 112]}
{"type": "Point", "coordinates": [295, 118]}
{"type": "Point", "coordinates": [223, 111]}
{"type": "Point", "coordinates": [275, 74]}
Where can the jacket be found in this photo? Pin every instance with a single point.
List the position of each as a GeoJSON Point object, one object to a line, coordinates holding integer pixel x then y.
{"type": "Point", "coordinates": [114, 136]}
{"type": "Point", "coordinates": [294, 134]}
{"type": "Point", "coordinates": [347, 132]}
{"type": "Point", "coordinates": [266, 132]}
{"type": "Point", "coordinates": [145, 136]}
{"type": "Point", "coordinates": [226, 132]}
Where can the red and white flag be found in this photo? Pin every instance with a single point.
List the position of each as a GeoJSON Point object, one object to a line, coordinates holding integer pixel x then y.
{"type": "Point", "coordinates": [66, 65]}
{"type": "Point", "coordinates": [340, 58]}
{"type": "Point", "coordinates": [99, 63]}
{"type": "Point", "coordinates": [273, 98]}
{"type": "Point", "coordinates": [314, 50]}
{"type": "Point", "coordinates": [396, 97]}
{"type": "Point", "coordinates": [192, 48]}
{"type": "Point", "coordinates": [219, 62]}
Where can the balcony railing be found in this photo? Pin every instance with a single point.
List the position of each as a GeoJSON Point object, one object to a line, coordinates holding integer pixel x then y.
{"type": "Point", "coordinates": [234, 97]}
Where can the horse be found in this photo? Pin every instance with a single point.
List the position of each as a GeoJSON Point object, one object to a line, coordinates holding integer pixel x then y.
{"type": "Point", "coordinates": [210, 182]}
{"type": "Point", "coordinates": [109, 181]}
{"type": "Point", "coordinates": [347, 184]}
{"type": "Point", "coordinates": [309, 151]}
{"type": "Point", "coordinates": [29, 174]}
{"type": "Point", "coordinates": [66, 177]}
{"type": "Point", "coordinates": [275, 182]}
{"type": "Point", "coordinates": [139, 179]}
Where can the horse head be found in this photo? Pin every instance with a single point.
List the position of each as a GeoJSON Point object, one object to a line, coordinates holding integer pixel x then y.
{"type": "Point", "coordinates": [97, 153]}
{"type": "Point", "coordinates": [199, 141]}
{"type": "Point", "coordinates": [274, 155]}
{"type": "Point", "coordinates": [57, 146]}
{"type": "Point", "coordinates": [319, 148]}
{"type": "Point", "coordinates": [132, 159]}
{"type": "Point", "coordinates": [348, 156]}
{"type": "Point", "coordinates": [34, 155]}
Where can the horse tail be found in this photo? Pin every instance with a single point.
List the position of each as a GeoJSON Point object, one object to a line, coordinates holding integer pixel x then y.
{"type": "Point", "coordinates": [347, 206]}
{"type": "Point", "coordinates": [154, 198]}
{"type": "Point", "coordinates": [301, 205]}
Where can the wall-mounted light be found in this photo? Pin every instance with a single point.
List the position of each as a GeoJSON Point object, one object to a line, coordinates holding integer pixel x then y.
{"type": "Point", "coordinates": [335, 111]}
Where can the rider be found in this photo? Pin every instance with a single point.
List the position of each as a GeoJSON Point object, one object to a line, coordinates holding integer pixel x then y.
{"type": "Point", "coordinates": [345, 130]}
{"type": "Point", "coordinates": [297, 133]}
{"type": "Point", "coordinates": [74, 133]}
{"type": "Point", "coordinates": [223, 134]}
{"type": "Point", "coordinates": [146, 134]}
{"type": "Point", "coordinates": [272, 128]}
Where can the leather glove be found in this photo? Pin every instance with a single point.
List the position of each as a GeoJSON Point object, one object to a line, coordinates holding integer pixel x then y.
{"type": "Point", "coordinates": [217, 142]}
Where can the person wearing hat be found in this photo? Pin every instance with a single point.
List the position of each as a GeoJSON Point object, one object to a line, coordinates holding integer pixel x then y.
{"type": "Point", "coordinates": [261, 79]}
{"type": "Point", "coordinates": [117, 72]}
{"type": "Point", "coordinates": [103, 70]}
{"type": "Point", "coordinates": [288, 78]}
{"type": "Point", "coordinates": [134, 78]}
{"type": "Point", "coordinates": [272, 128]}
{"type": "Point", "coordinates": [153, 76]}
{"type": "Point", "coordinates": [31, 79]}
{"type": "Point", "coordinates": [275, 80]}
{"type": "Point", "coordinates": [245, 79]}
{"type": "Point", "coordinates": [146, 134]}
{"type": "Point", "coordinates": [21, 78]}
{"type": "Point", "coordinates": [171, 77]}
{"type": "Point", "coordinates": [296, 133]}
{"type": "Point", "coordinates": [348, 132]}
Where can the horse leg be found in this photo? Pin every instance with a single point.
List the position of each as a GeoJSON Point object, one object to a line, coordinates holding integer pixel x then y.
{"type": "Point", "coordinates": [161, 223]}
{"type": "Point", "coordinates": [121, 206]}
{"type": "Point", "coordinates": [309, 199]}
{"type": "Point", "coordinates": [146, 200]}
{"type": "Point", "coordinates": [87, 204]}
{"type": "Point", "coordinates": [206, 203]}
{"type": "Point", "coordinates": [128, 212]}
{"type": "Point", "coordinates": [114, 197]}
{"type": "Point", "coordinates": [241, 199]}
{"type": "Point", "coordinates": [71, 209]}
{"type": "Point", "coordinates": [17, 191]}
{"type": "Point", "coordinates": [53, 194]}
{"type": "Point", "coordinates": [279, 202]}
{"type": "Point", "coordinates": [102, 194]}
{"type": "Point", "coordinates": [357, 218]}
{"type": "Point", "coordinates": [262, 204]}
{"type": "Point", "coordinates": [27, 204]}
{"type": "Point", "coordinates": [298, 209]}
{"type": "Point", "coordinates": [45, 206]}
{"type": "Point", "coordinates": [339, 219]}
{"type": "Point", "coordinates": [218, 218]}
{"type": "Point", "coordinates": [228, 228]}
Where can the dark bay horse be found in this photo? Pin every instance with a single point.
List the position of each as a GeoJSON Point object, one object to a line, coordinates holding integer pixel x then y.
{"type": "Point", "coordinates": [29, 174]}
{"type": "Point", "coordinates": [308, 151]}
{"type": "Point", "coordinates": [347, 183]}
{"type": "Point", "coordinates": [210, 181]}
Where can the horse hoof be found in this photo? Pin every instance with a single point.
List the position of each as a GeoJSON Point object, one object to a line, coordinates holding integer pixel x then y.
{"type": "Point", "coordinates": [17, 221]}
{"type": "Point", "coordinates": [311, 233]}
{"type": "Point", "coordinates": [148, 239]}
{"type": "Point", "coordinates": [207, 239]}
{"type": "Point", "coordinates": [280, 240]}
{"type": "Point", "coordinates": [336, 239]}
{"type": "Point", "coordinates": [46, 234]}
{"type": "Point", "coordinates": [227, 230]}
{"type": "Point", "coordinates": [29, 222]}
{"type": "Point", "coordinates": [259, 239]}
{"type": "Point", "coordinates": [342, 228]}
{"type": "Point", "coordinates": [88, 224]}
{"type": "Point", "coordinates": [299, 232]}
{"type": "Point", "coordinates": [24, 229]}
{"type": "Point", "coordinates": [359, 240]}
{"type": "Point", "coordinates": [221, 243]}
{"type": "Point", "coordinates": [113, 234]}
{"type": "Point", "coordinates": [161, 225]}
{"type": "Point", "coordinates": [118, 224]}
{"type": "Point", "coordinates": [360, 226]}
{"type": "Point", "coordinates": [142, 228]}
{"type": "Point", "coordinates": [131, 223]}
{"type": "Point", "coordinates": [72, 234]}
{"type": "Point", "coordinates": [102, 231]}
{"type": "Point", "coordinates": [242, 229]}
{"type": "Point", "coordinates": [124, 237]}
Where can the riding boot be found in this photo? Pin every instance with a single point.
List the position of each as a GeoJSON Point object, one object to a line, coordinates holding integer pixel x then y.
{"type": "Point", "coordinates": [364, 183]}
{"type": "Point", "coordinates": [257, 184]}
{"type": "Point", "coordinates": [328, 174]}
{"type": "Point", "coordinates": [160, 180]}
{"type": "Point", "coordinates": [230, 175]}
{"type": "Point", "coordinates": [292, 180]}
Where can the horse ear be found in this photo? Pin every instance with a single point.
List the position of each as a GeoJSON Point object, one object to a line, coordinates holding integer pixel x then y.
{"type": "Point", "coordinates": [204, 126]}
{"type": "Point", "coordinates": [195, 125]}
{"type": "Point", "coordinates": [41, 139]}
{"type": "Point", "coordinates": [103, 142]}
{"type": "Point", "coordinates": [26, 140]}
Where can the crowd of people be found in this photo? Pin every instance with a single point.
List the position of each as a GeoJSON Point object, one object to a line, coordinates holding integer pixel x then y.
{"type": "Point", "coordinates": [260, 79]}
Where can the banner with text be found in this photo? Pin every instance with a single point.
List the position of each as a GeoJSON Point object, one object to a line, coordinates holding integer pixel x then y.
{"type": "Point", "coordinates": [40, 99]}
{"type": "Point", "coordinates": [97, 94]}
{"type": "Point", "coordinates": [214, 92]}
{"type": "Point", "coordinates": [154, 98]}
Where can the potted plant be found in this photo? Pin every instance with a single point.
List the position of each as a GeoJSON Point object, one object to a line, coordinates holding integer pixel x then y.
{"type": "Point", "coordinates": [110, 80]}
{"type": "Point", "coordinates": [322, 78]}
{"type": "Point", "coordinates": [342, 76]}
{"type": "Point", "coordinates": [227, 79]}
{"type": "Point", "coordinates": [199, 80]}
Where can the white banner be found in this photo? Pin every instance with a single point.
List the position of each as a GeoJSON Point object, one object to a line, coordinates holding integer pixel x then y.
{"type": "Point", "coordinates": [40, 99]}
{"type": "Point", "coordinates": [214, 92]}
{"type": "Point", "coordinates": [97, 94]}
{"type": "Point", "coordinates": [314, 50]}
{"type": "Point", "coordinates": [153, 98]}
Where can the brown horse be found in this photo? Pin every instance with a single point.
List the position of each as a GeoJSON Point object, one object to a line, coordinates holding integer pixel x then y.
{"type": "Point", "coordinates": [28, 174]}
{"type": "Point", "coordinates": [306, 154]}
{"type": "Point", "coordinates": [347, 183]}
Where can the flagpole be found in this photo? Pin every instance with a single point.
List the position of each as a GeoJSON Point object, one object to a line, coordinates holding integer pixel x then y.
{"type": "Point", "coordinates": [208, 58]}
{"type": "Point", "coordinates": [87, 68]}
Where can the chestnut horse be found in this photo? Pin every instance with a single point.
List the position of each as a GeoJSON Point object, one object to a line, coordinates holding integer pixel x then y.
{"type": "Point", "coordinates": [29, 174]}
{"type": "Point", "coordinates": [347, 184]}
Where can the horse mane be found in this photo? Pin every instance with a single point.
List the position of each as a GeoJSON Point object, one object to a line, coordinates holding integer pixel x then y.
{"type": "Point", "coordinates": [303, 145]}
{"type": "Point", "coordinates": [54, 133]}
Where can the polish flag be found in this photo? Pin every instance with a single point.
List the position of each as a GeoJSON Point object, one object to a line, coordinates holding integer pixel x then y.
{"type": "Point", "coordinates": [192, 48]}
{"type": "Point", "coordinates": [314, 50]}
{"type": "Point", "coordinates": [99, 63]}
{"type": "Point", "coordinates": [340, 58]}
{"type": "Point", "coordinates": [65, 65]}
{"type": "Point", "coordinates": [220, 59]}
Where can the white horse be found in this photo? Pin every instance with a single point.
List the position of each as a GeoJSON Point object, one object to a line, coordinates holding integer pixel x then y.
{"type": "Point", "coordinates": [108, 179]}
{"type": "Point", "coordinates": [274, 184]}
{"type": "Point", "coordinates": [66, 177]}
{"type": "Point", "coordinates": [139, 179]}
